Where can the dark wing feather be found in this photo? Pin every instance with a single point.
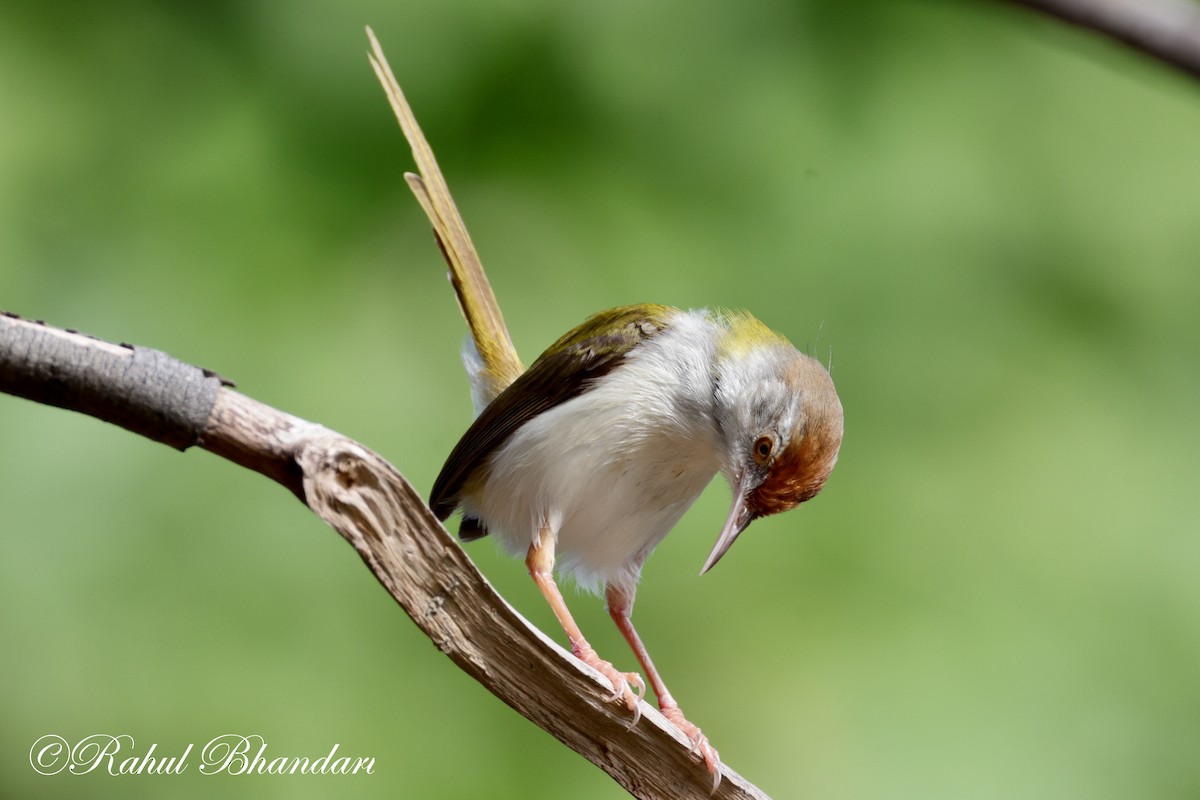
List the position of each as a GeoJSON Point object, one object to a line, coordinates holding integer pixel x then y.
{"type": "Point", "coordinates": [566, 370]}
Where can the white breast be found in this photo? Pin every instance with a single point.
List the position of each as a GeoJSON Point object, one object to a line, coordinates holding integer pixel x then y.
{"type": "Point", "coordinates": [613, 470]}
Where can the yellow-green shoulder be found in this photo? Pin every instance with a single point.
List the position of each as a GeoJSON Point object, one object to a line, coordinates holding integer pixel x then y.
{"type": "Point", "coordinates": [646, 316]}
{"type": "Point", "coordinates": [620, 329]}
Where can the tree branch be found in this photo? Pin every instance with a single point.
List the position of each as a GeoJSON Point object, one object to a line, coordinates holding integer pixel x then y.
{"type": "Point", "coordinates": [374, 509]}
{"type": "Point", "coordinates": [1168, 30]}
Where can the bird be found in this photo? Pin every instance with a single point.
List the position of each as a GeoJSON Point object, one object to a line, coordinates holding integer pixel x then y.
{"type": "Point", "coordinates": [589, 458]}
{"type": "Point", "coordinates": [586, 460]}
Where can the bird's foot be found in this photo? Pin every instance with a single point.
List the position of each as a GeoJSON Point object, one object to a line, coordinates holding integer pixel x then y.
{"type": "Point", "coordinates": [700, 744]}
{"type": "Point", "coordinates": [623, 683]}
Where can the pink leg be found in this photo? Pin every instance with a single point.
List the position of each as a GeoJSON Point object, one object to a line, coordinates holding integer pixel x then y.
{"type": "Point", "coordinates": [540, 562]}
{"type": "Point", "coordinates": [620, 608]}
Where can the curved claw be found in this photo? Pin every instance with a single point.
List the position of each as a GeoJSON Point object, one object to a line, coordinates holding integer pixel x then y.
{"type": "Point", "coordinates": [700, 744]}
{"type": "Point", "coordinates": [621, 682]}
{"type": "Point", "coordinates": [636, 708]}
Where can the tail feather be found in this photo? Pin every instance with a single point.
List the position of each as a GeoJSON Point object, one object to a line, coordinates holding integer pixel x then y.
{"type": "Point", "coordinates": [492, 344]}
{"type": "Point", "coordinates": [471, 529]}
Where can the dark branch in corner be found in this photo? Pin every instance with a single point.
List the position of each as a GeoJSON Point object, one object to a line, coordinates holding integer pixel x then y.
{"type": "Point", "coordinates": [374, 508]}
{"type": "Point", "coordinates": [1168, 30]}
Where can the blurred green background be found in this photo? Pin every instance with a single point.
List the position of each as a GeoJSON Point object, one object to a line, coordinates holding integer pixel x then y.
{"type": "Point", "coordinates": [991, 220]}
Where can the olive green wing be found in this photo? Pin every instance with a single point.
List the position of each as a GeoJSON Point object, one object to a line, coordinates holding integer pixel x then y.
{"type": "Point", "coordinates": [566, 370]}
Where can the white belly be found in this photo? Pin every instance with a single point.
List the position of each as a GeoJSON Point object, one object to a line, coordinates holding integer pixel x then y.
{"type": "Point", "coordinates": [611, 471]}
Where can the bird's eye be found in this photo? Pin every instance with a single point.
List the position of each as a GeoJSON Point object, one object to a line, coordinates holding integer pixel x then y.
{"type": "Point", "coordinates": [763, 447]}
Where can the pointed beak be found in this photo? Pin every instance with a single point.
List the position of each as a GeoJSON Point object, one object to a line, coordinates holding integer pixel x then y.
{"type": "Point", "coordinates": [738, 520]}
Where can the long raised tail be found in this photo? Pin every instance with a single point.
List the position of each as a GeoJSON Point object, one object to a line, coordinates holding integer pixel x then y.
{"type": "Point", "coordinates": [496, 361]}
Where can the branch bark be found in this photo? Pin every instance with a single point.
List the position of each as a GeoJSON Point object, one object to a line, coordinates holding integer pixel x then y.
{"type": "Point", "coordinates": [375, 509]}
{"type": "Point", "coordinates": [1168, 30]}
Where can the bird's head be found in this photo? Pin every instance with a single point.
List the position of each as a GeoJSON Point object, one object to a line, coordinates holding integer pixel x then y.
{"type": "Point", "coordinates": [781, 422]}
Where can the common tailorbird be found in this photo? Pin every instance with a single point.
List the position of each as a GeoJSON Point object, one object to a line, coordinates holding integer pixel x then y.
{"type": "Point", "coordinates": [589, 458]}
